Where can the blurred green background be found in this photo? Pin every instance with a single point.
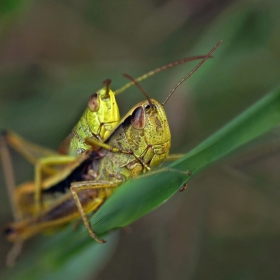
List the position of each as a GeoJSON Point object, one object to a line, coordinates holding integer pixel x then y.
{"type": "Point", "coordinates": [55, 54]}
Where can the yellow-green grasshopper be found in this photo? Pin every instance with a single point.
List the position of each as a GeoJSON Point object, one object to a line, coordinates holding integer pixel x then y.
{"type": "Point", "coordinates": [141, 141]}
{"type": "Point", "coordinates": [98, 120]}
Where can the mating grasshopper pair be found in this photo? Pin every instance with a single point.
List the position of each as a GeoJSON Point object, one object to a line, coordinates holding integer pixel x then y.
{"type": "Point", "coordinates": [105, 156]}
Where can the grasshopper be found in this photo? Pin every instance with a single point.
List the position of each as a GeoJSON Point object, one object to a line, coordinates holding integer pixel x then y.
{"type": "Point", "coordinates": [99, 119]}
{"type": "Point", "coordinates": [140, 142]}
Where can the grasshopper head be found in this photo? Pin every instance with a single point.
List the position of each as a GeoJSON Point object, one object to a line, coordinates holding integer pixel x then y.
{"type": "Point", "coordinates": [102, 114]}
{"type": "Point", "coordinates": [149, 119]}
{"type": "Point", "coordinates": [103, 105]}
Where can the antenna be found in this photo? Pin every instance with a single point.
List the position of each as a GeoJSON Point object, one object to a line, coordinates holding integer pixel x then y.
{"type": "Point", "coordinates": [141, 89]}
{"type": "Point", "coordinates": [194, 69]}
{"type": "Point", "coordinates": [151, 73]}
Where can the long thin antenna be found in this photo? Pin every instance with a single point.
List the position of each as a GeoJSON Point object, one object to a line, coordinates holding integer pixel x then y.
{"type": "Point", "coordinates": [195, 68]}
{"type": "Point", "coordinates": [151, 73]}
{"type": "Point", "coordinates": [141, 89]}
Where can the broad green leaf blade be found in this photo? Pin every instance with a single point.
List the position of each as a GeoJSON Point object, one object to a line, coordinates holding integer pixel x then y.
{"type": "Point", "coordinates": [139, 196]}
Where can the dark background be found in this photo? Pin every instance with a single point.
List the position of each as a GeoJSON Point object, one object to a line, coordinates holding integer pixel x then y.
{"type": "Point", "coordinates": [55, 54]}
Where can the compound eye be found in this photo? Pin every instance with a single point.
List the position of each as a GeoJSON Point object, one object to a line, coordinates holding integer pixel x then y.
{"type": "Point", "coordinates": [147, 107]}
{"type": "Point", "coordinates": [138, 118]}
{"type": "Point", "coordinates": [93, 103]}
